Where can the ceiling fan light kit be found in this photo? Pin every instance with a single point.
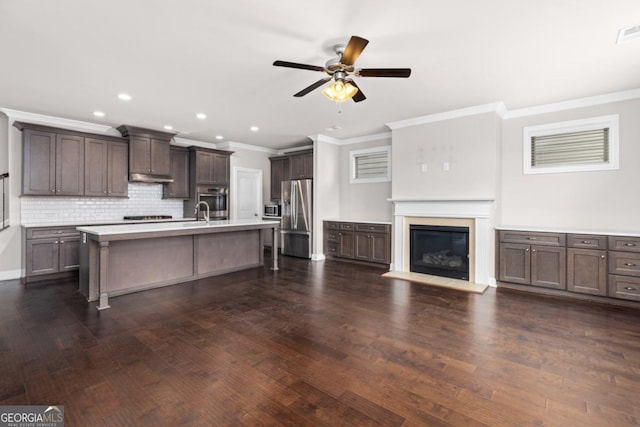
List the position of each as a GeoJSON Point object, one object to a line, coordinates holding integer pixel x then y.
{"type": "Point", "coordinates": [341, 69]}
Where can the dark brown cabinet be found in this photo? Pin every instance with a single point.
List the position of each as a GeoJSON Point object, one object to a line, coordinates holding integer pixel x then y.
{"type": "Point", "coordinates": [366, 242]}
{"type": "Point", "coordinates": [624, 267]}
{"type": "Point", "coordinates": [148, 152]}
{"type": "Point", "coordinates": [179, 171]}
{"type": "Point", "coordinates": [53, 162]}
{"type": "Point", "coordinates": [106, 164]}
{"type": "Point", "coordinates": [209, 166]}
{"type": "Point", "coordinates": [530, 258]}
{"type": "Point", "coordinates": [279, 173]}
{"type": "Point", "coordinates": [301, 165]}
{"type": "Point", "coordinates": [50, 251]}
{"type": "Point", "coordinates": [587, 264]}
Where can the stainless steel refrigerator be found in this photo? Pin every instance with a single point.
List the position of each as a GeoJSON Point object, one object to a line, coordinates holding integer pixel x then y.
{"type": "Point", "coordinates": [297, 217]}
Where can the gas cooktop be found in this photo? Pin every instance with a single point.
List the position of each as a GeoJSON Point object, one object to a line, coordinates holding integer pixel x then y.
{"type": "Point", "coordinates": [146, 217]}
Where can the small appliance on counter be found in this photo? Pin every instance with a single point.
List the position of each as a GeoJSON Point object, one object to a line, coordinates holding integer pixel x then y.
{"type": "Point", "coordinates": [272, 210]}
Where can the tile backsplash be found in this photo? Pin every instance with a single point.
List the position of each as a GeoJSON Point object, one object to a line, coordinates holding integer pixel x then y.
{"type": "Point", "coordinates": [144, 199]}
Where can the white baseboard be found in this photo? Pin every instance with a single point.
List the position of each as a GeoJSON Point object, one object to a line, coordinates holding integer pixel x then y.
{"type": "Point", "coordinates": [10, 275]}
{"type": "Point", "coordinates": [318, 257]}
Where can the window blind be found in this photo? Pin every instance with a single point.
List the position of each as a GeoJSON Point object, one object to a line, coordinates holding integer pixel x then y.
{"type": "Point", "coordinates": [372, 165]}
{"type": "Point", "coordinates": [591, 146]}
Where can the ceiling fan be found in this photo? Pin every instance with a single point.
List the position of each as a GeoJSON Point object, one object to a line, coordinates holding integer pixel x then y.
{"type": "Point", "coordinates": [342, 71]}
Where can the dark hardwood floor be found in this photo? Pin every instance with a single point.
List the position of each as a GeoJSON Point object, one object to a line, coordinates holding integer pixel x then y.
{"type": "Point", "coordinates": [319, 343]}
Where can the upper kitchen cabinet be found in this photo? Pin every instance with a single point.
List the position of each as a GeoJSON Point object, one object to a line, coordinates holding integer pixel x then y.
{"type": "Point", "coordinates": [179, 171]}
{"type": "Point", "coordinates": [53, 161]}
{"type": "Point", "coordinates": [106, 165]}
{"type": "Point", "coordinates": [149, 159]}
{"type": "Point", "coordinates": [279, 173]}
{"type": "Point", "coordinates": [208, 166]}
{"type": "Point", "coordinates": [301, 165]}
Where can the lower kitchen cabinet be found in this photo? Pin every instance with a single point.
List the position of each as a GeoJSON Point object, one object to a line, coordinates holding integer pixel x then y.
{"type": "Point", "coordinates": [51, 252]}
{"type": "Point", "coordinates": [366, 242]}
{"type": "Point", "coordinates": [587, 264]}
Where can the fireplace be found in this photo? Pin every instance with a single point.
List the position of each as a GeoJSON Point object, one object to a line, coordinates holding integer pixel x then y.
{"type": "Point", "coordinates": [439, 251]}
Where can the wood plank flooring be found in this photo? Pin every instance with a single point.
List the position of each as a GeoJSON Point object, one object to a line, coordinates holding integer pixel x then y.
{"type": "Point", "coordinates": [319, 343]}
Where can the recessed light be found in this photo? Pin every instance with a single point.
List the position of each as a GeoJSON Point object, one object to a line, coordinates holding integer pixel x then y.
{"type": "Point", "coordinates": [332, 128]}
{"type": "Point", "coordinates": [124, 97]}
{"type": "Point", "coordinates": [98, 113]}
{"type": "Point", "coordinates": [201, 116]}
{"type": "Point", "coordinates": [254, 128]}
{"type": "Point", "coordinates": [168, 127]}
{"type": "Point", "coordinates": [219, 137]}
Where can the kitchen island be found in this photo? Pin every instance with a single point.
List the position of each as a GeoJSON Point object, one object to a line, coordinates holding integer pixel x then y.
{"type": "Point", "coordinates": [121, 259]}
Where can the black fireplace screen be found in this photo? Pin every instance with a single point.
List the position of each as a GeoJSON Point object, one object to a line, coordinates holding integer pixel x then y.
{"type": "Point", "coordinates": [440, 251]}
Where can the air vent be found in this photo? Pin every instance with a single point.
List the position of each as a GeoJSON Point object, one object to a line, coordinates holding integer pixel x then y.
{"type": "Point", "coordinates": [628, 33]}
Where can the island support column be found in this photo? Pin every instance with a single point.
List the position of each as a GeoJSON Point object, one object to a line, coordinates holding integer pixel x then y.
{"type": "Point", "coordinates": [276, 231]}
{"type": "Point", "coordinates": [103, 276]}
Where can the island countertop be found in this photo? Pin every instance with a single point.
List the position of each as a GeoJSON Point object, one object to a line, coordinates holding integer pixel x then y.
{"type": "Point", "coordinates": [158, 229]}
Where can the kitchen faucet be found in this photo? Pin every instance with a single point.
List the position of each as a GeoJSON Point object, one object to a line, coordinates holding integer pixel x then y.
{"type": "Point", "coordinates": [195, 211]}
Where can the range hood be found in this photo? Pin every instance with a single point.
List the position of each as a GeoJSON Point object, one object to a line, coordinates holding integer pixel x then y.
{"type": "Point", "coordinates": [147, 177]}
{"type": "Point", "coordinates": [149, 154]}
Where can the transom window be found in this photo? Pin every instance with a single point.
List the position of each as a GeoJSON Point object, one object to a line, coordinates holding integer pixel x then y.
{"type": "Point", "coordinates": [370, 165]}
{"type": "Point", "coordinates": [578, 145]}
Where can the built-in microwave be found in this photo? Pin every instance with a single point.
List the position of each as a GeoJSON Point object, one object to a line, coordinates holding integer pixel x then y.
{"type": "Point", "coordinates": [218, 200]}
{"type": "Point", "coordinates": [272, 209]}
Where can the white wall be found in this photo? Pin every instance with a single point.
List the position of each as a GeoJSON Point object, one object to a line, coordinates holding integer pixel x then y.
{"type": "Point", "coordinates": [367, 201]}
{"type": "Point", "coordinates": [601, 200]}
{"type": "Point", "coordinates": [248, 158]}
{"type": "Point", "coordinates": [469, 145]}
{"type": "Point", "coordinates": [326, 185]}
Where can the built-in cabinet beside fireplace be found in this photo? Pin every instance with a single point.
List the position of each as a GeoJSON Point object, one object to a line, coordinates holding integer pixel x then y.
{"type": "Point", "coordinates": [357, 241]}
{"type": "Point", "coordinates": [602, 266]}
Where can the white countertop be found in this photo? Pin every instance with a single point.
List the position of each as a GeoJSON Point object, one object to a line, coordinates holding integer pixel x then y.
{"type": "Point", "coordinates": [105, 222]}
{"type": "Point", "coordinates": [105, 230]}
{"type": "Point", "coordinates": [565, 230]}
{"type": "Point", "coordinates": [361, 221]}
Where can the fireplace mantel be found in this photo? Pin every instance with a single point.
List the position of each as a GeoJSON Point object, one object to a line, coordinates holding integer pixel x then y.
{"type": "Point", "coordinates": [477, 210]}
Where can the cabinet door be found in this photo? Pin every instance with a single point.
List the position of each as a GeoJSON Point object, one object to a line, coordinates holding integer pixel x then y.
{"type": "Point", "coordinates": [117, 169]}
{"type": "Point", "coordinates": [160, 156]}
{"type": "Point", "coordinates": [204, 167]}
{"type": "Point", "coordinates": [380, 248]}
{"type": "Point", "coordinates": [95, 167]}
{"type": "Point", "coordinates": [362, 246]}
{"type": "Point", "coordinates": [221, 169]}
{"type": "Point", "coordinates": [139, 154]}
{"type": "Point", "coordinates": [179, 171]}
{"type": "Point", "coordinates": [587, 271]}
{"type": "Point", "coordinates": [42, 256]}
{"type": "Point", "coordinates": [39, 163]}
{"type": "Point", "coordinates": [69, 165]}
{"type": "Point", "coordinates": [279, 173]}
{"type": "Point", "coordinates": [346, 247]}
{"type": "Point", "coordinates": [69, 253]}
{"type": "Point", "coordinates": [307, 165]}
{"type": "Point", "coordinates": [296, 167]}
{"type": "Point", "coordinates": [515, 263]}
{"type": "Point", "coordinates": [549, 267]}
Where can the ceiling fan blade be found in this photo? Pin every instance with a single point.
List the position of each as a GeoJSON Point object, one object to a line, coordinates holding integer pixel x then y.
{"type": "Point", "coordinates": [353, 49]}
{"type": "Point", "coordinates": [314, 86]}
{"type": "Point", "coordinates": [300, 66]}
{"type": "Point", "coordinates": [359, 96]}
{"type": "Point", "coordinates": [384, 72]}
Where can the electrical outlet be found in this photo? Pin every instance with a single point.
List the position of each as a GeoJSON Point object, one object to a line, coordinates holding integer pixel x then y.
{"type": "Point", "coordinates": [445, 166]}
{"type": "Point", "coordinates": [423, 167]}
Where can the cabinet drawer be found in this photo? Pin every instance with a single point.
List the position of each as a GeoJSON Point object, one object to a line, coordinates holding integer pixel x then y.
{"type": "Point", "coordinates": [374, 228]}
{"type": "Point", "coordinates": [346, 226]}
{"type": "Point", "coordinates": [624, 263]}
{"type": "Point", "coordinates": [586, 241]}
{"type": "Point", "coordinates": [536, 238]}
{"type": "Point", "coordinates": [332, 225]}
{"type": "Point", "coordinates": [627, 244]}
{"type": "Point", "coordinates": [49, 232]}
{"type": "Point", "coordinates": [332, 248]}
{"type": "Point", "coordinates": [332, 236]}
{"type": "Point", "coordinates": [624, 287]}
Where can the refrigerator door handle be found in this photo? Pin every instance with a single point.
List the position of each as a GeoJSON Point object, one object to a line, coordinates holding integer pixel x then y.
{"type": "Point", "coordinates": [294, 206]}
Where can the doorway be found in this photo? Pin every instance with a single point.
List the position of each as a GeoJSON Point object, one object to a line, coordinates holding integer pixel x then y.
{"type": "Point", "coordinates": [246, 193]}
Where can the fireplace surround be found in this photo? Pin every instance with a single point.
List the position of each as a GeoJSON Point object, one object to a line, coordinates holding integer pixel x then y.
{"type": "Point", "coordinates": [474, 214]}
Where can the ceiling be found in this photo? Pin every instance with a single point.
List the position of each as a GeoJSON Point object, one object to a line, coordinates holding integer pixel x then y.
{"type": "Point", "coordinates": [68, 58]}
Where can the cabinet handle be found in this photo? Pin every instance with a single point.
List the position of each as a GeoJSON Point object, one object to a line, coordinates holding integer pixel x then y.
{"type": "Point", "coordinates": [629, 288]}
{"type": "Point", "coordinates": [533, 250]}
{"type": "Point", "coordinates": [602, 256]}
{"type": "Point", "coordinates": [587, 242]}
{"type": "Point", "coordinates": [61, 241]}
{"type": "Point", "coordinates": [630, 244]}
{"type": "Point", "coordinates": [526, 250]}
{"type": "Point", "coordinates": [531, 238]}
{"type": "Point", "coordinates": [629, 264]}
{"type": "Point", "coordinates": [53, 191]}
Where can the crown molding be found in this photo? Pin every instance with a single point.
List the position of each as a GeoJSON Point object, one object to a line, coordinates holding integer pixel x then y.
{"type": "Point", "coordinates": [59, 122]}
{"type": "Point", "coordinates": [354, 140]}
{"type": "Point", "coordinates": [495, 107]}
{"type": "Point", "coordinates": [589, 101]}
{"type": "Point", "coordinates": [241, 145]}
{"type": "Point", "coordinates": [183, 142]}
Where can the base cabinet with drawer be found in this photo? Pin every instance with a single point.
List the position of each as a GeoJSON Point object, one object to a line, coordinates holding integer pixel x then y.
{"type": "Point", "coordinates": [602, 267]}
{"type": "Point", "coordinates": [365, 242]}
{"type": "Point", "coordinates": [51, 252]}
